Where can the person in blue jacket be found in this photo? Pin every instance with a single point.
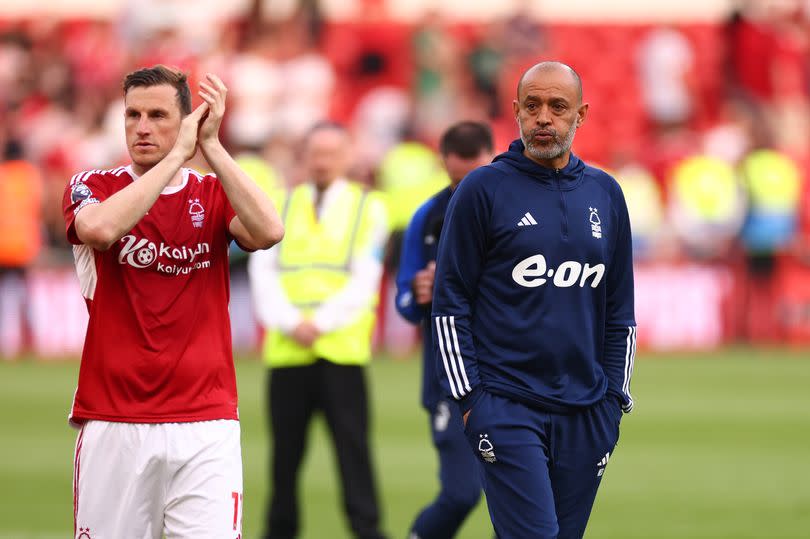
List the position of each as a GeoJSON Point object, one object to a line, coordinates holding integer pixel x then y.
{"type": "Point", "coordinates": [463, 147]}
{"type": "Point", "coordinates": [533, 319]}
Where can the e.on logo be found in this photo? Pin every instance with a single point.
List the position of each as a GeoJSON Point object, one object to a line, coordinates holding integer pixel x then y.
{"type": "Point", "coordinates": [532, 272]}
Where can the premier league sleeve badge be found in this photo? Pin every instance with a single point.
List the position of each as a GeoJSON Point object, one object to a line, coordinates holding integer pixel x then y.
{"type": "Point", "coordinates": [80, 192]}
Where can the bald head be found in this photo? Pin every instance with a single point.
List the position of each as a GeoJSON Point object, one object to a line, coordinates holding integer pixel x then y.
{"type": "Point", "coordinates": [551, 67]}
{"type": "Point", "coordinates": [549, 110]}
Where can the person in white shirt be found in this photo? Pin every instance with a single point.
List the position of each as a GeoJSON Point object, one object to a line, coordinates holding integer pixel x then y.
{"type": "Point", "coordinates": [316, 295]}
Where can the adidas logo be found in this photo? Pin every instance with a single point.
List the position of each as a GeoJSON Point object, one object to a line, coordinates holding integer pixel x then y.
{"type": "Point", "coordinates": [527, 220]}
{"type": "Point", "coordinates": [601, 465]}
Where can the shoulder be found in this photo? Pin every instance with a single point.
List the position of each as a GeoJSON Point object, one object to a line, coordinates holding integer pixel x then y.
{"type": "Point", "coordinates": [200, 177]}
{"type": "Point", "coordinates": [98, 175]}
{"type": "Point", "coordinates": [603, 179]}
{"type": "Point", "coordinates": [90, 186]}
{"type": "Point", "coordinates": [371, 197]}
{"type": "Point", "coordinates": [487, 176]}
{"type": "Point", "coordinates": [609, 184]}
{"type": "Point", "coordinates": [372, 203]}
{"type": "Point", "coordinates": [486, 179]}
{"type": "Point", "coordinates": [437, 202]}
{"type": "Point", "coordinates": [481, 184]}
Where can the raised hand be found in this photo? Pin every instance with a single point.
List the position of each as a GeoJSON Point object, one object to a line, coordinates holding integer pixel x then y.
{"type": "Point", "coordinates": [186, 143]}
{"type": "Point", "coordinates": [213, 91]}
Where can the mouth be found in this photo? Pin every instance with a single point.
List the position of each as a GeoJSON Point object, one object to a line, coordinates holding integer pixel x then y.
{"type": "Point", "coordinates": [543, 136]}
{"type": "Point", "coordinates": [143, 145]}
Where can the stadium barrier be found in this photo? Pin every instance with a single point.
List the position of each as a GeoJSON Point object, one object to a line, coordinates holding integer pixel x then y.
{"type": "Point", "coordinates": [687, 306]}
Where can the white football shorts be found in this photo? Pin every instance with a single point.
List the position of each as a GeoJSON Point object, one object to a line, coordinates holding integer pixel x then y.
{"type": "Point", "coordinates": [144, 481]}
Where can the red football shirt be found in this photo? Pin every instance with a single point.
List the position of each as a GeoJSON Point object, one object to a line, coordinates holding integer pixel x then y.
{"type": "Point", "coordinates": [158, 343]}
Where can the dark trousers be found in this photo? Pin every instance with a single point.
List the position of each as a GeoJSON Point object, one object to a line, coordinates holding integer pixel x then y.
{"type": "Point", "coordinates": [540, 471]}
{"type": "Point", "coordinates": [295, 393]}
{"type": "Point", "coordinates": [458, 474]}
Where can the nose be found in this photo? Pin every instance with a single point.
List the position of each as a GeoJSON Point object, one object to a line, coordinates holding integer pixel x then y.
{"type": "Point", "coordinates": [544, 116]}
{"type": "Point", "coordinates": [143, 125]}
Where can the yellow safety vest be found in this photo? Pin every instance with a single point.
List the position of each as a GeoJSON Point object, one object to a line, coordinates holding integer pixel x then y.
{"type": "Point", "coordinates": [314, 262]}
{"type": "Point", "coordinates": [773, 181]}
{"type": "Point", "coordinates": [709, 187]}
{"type": "Point", "coordinates": [410, 173]}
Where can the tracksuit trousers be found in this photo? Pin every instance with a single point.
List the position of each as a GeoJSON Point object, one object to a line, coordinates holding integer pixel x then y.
{"type": "Point", "coordinates": [458, 476]}
{"type": "Point", "coordinates": [540, 471]}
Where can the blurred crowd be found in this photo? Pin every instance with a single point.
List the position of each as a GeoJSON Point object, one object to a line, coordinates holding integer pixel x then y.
{"type": "Point", "coordinates": [707, 126]}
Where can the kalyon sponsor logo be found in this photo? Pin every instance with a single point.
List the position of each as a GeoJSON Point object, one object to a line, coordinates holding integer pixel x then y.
{"type": "Point", "coordinates": [141, 253]}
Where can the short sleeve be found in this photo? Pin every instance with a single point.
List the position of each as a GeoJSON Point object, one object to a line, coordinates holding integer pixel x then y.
{"type": "Point", "coordinates": [226, 210]}
{"type": "Point", "coordinates": [84, 189]}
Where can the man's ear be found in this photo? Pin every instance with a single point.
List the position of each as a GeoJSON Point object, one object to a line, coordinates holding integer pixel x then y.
{"type": "Point", "coordinates": [582, 112]}
{"type": "Point", "coordinates": [516, 109]}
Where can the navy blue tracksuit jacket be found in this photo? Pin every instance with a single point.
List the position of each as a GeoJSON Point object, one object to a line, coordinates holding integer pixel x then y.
{"type": "Point", "coordinates": [460, 485]}
{"type": "Point", "coordinates": [533, 298]}
{"type": "Point", "coordinates": [419, 247]}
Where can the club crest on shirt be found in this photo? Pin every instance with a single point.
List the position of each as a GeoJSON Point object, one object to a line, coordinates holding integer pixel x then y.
{"type": "Point", "coordinates": [84, 533]}
{"type": "Point", "coordinates": [596, 223]}
{"type": "Point", "coordinates": [197, 212]}
{"type": "Point", "coordinates": [80, 192]}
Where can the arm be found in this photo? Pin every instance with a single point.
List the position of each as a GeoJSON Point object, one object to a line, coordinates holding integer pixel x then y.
{"type": "Point", "coordinates": [620, 325]}
{"type": "Point", "coordinates": [273, 308]}
{"type": "Point", "coordinates": [462, 254]}
{"type": "Point", "coordinates": [411, 263]}
{"type": "Point", "coordinates": [100, 225]}
{"type": "Point", "coordinates": [257, 224]}
{"type": "Point", "coordinates": [366, 270]}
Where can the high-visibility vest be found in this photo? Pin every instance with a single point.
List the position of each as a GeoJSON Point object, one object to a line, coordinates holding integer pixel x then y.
{"type": "Point", "coordinates": [409, 174]}
{"type": "Point", "coordinates": [644, 205]}
{"type": "Point", "coordinates": [314, 262]}
{"type": "Point", "coordinates": [709, 188]}
{"type": "Point", "coordinates": [773, 181]}
{"type": "Point", "coordinates": [260, 171]}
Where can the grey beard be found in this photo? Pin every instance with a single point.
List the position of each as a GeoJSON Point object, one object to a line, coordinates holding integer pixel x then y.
{"type": "Point", "coordinates": [555, 150]}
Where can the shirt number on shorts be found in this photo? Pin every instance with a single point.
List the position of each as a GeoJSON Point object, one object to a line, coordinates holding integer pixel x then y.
{"type": "Point", "coordinates": [237, 503]}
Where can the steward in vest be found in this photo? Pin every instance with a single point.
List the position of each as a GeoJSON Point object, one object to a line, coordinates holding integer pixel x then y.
{"type": "Point", "coordinates": [316, 295]}
{"type": "Point", "coordinates": [706, 206]}
{"type": "Point", "coordinates": [773, 183]}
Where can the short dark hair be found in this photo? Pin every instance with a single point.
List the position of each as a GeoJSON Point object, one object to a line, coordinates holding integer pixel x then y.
{"type": "Point", "coordinates": [161, 74]}
{"type": "Point", "coordinates": [466, 139]}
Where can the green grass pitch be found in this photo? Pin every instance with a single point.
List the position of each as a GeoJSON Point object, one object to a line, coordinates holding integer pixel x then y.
{"type": "Point", "coordinates": [717, 447]}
